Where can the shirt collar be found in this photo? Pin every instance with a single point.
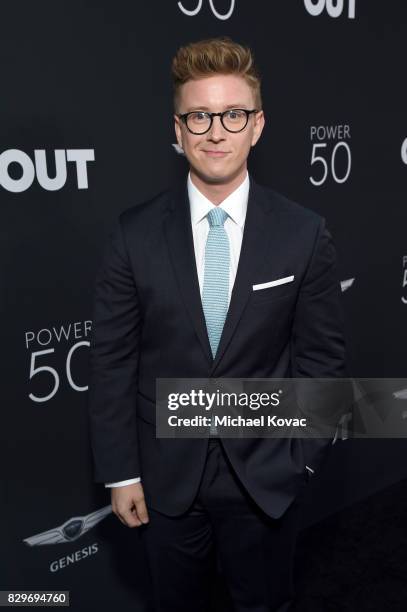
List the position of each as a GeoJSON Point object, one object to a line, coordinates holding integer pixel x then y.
{"type": "Point", "coordinates": [235, 204]}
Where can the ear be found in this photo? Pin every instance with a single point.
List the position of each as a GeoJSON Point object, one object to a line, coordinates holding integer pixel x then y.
{"type": "Point", "coordinates": [259, 122]}
{"type": "Point", "coordinates": [178, 131]}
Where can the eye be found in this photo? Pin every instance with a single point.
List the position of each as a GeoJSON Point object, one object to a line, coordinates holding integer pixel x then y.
{"type": "Point", "coordinates": [235, 114]}
{"type": "Point", "coordinates": [198, 117]}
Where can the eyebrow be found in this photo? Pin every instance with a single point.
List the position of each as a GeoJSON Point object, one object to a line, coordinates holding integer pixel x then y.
{"type": "Point", "coordinates": [205, 108]}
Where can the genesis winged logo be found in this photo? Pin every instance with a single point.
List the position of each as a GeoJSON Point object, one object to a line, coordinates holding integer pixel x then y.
{"type": "Point", "coordinates": [69, 531]}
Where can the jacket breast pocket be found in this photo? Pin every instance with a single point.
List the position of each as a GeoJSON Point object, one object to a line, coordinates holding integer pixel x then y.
{"type": "Point", "coordinates": [274, 290]}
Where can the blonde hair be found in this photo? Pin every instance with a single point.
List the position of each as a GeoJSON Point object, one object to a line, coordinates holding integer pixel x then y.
{"type": "Point", "coordinates": [212, 56]}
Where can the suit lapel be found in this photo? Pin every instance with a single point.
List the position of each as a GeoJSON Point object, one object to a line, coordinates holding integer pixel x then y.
{"type": "Point", "coordinates": [178, 231]}
{"type": "Point", "coordinates": [256, 238]}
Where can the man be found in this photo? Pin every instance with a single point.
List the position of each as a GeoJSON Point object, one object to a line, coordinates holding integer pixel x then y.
{"type": "Point", "coordinates": [216, 278]}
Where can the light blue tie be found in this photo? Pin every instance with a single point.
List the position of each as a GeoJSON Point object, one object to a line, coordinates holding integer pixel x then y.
{"type": "Point", "coordinates": [215, 294]}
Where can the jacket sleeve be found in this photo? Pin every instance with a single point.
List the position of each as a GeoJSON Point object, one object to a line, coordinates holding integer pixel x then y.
{"type": "Point", "coordinates": [113, 364]}
{"type": "Point", "coordinates": [318, 345]}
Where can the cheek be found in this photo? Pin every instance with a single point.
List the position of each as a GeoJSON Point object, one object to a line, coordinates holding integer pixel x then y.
{"type": "Point", "coordinates": [242, 148]}
{"type": "Point", "coordinates": [191, 145]}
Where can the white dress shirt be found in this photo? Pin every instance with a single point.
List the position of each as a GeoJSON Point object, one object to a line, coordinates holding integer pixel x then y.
{"type": "Point", "coordinates": [236, 206]}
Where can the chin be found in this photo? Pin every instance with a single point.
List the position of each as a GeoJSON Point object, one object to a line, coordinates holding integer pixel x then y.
{"type": "Point", "coordinates": [211, 176]}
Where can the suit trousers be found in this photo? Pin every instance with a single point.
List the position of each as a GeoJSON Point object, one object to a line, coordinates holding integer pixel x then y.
{"type": "Point", "coordinates": [225, 527]}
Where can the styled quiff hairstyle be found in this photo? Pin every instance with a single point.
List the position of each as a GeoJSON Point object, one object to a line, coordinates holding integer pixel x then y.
{"type": "Point", "coordinates": [211, 56]}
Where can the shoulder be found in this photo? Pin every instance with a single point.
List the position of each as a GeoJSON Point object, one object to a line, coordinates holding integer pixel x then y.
{"type": "Point", "coordinates": [293, 217]}
{"type": "Point", "coordinates": [141, 223]}
{"type": "Point", "coordinates": [287, 207]}
{"type": "Point", "coordinates": [148, 211]}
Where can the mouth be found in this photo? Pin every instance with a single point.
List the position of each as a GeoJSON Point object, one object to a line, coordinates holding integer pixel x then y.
{"type": "Point", "coordinates": [215, 153]}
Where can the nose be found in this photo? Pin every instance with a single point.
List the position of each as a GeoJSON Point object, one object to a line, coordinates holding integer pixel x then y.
{"type": "Point", "coordinates": [217, 131]}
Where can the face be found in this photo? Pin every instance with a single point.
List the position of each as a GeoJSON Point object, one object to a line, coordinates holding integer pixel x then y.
{"type": "Point", "coordinates": [218, 156]}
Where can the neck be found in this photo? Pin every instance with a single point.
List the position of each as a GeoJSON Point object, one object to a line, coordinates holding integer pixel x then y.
{"type": "Point", "coordinates": [216, 192]}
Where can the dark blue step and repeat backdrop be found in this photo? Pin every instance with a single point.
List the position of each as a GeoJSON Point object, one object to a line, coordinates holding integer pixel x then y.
{"type": "Point", "coordinates": [87, 131]}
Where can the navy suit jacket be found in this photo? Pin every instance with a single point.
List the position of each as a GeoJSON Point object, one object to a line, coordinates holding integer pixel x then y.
{"type": "Point", "coordinates": [148, 323]}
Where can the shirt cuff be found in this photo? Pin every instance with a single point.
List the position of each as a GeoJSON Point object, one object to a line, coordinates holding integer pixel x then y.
{"type": "Point", "coordinates": [122, 483]}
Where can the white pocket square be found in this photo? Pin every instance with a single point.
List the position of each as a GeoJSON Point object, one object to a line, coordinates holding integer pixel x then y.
{"type": "Point", "coordinates": [274, 283]}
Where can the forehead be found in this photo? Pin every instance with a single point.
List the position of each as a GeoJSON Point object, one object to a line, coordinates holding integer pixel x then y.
{"type": "Point", "coordinates": [216, 93]}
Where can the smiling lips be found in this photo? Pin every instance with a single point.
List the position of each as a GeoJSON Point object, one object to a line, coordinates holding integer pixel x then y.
{"type": "Point", "coordinates": [215, 153]}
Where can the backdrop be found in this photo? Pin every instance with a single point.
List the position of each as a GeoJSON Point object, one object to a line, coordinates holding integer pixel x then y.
{"type": "Point", "coordinates": [87, 131]}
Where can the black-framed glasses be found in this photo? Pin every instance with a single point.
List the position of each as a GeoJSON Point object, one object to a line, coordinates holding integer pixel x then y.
{"type": "Point", "coordinates": [233, 120]}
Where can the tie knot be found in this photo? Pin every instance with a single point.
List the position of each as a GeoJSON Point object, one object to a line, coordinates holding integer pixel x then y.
{"type": "Point", "coordinates": [217, 216]}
